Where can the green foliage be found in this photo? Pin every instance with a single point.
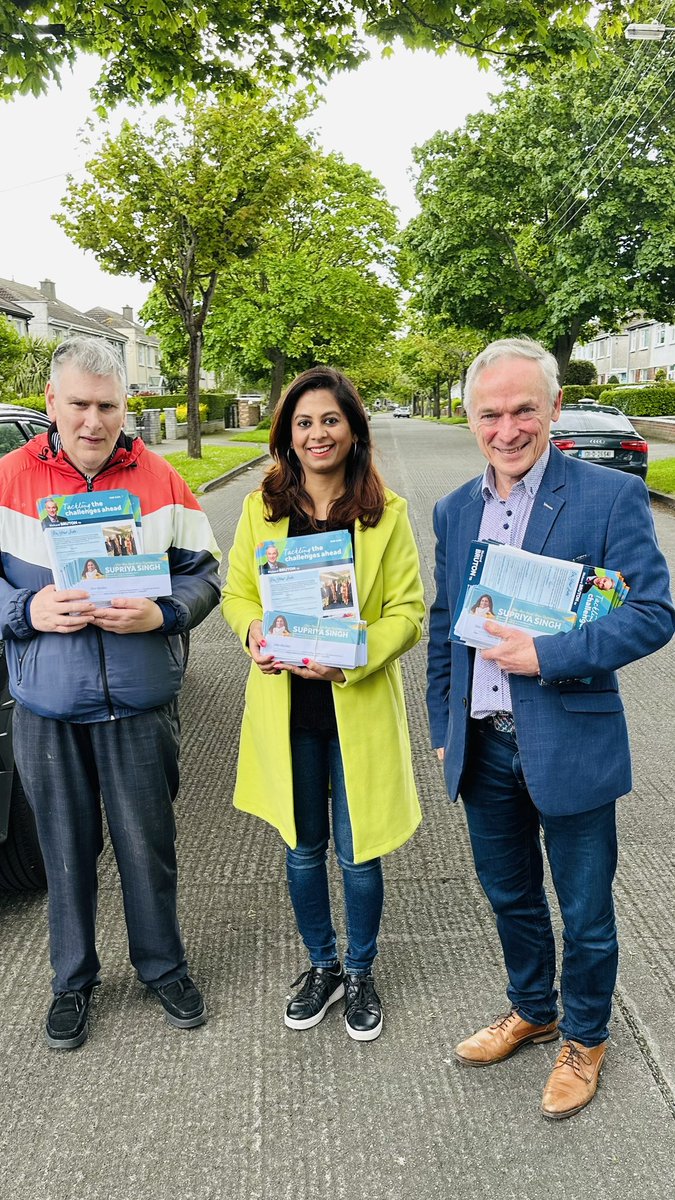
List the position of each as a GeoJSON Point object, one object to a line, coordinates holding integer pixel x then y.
{"type": "Point", "coordinates": [580, 370]}
{"type": "Point", "coordinates": [215, 403]}
{"type": "Point", "coordinates": [657, 400]}
{"type": "Point", "coordinates": [151, 49]}
{"type": "Point", "coordinates": [660, 375]}
{"type": "Point", "coordinates": [320, 286]}
{"type": "Point", "coordinates": [36, 402]}
{"type": "Point", "coordinates": [32, 372]}
{"type": "Point", "coordinates": [613, 379]}
{"type": "Point", "coordinates": [574, 392]}
{"type": "Point", "coordinates": [182, 412]}
{"type": "Point", "coordinates": [527, 227]}
{"type": "Point", "coordinates": [11, 351]}
{"type": "Point", "coordinates": [201, 193]}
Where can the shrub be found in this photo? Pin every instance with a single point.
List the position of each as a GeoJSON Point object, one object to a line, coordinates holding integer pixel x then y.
{"type": "Point", "coordinates": [215, 403]}
{"type": "Point", "coordinates": [658, 400]}
{"type": "Point", "coordinates": [573, 393]}
{"type": "Point", "coordinates": [612, 379]}
{"type": "Point", "coordinates": [37, 402]}
{"type": "Point", "coordinates": [580, 371]}
{"type": "Point", "coordinates": [265, 423]}
{"type": "Point", "coordinates": [457, 410]}
{"type": "Point", "coordinates": [182, 412]}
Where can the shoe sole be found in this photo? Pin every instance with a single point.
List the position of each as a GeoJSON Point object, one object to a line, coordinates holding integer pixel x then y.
{"type": "Point", "coordinates": [57, 1043]}
{"type": "Point", "coordinates": [526, 1041]}
{"type": "Point", "coordinates": [186, 1022]}
{"type": "Point", "coordinates": [364, 1035]}
{"type": "Point", "coordinates": [310, 1022]}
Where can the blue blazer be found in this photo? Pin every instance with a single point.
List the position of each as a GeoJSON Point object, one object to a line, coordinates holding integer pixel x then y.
{"type": "Point", "coordinates": [572, 736]}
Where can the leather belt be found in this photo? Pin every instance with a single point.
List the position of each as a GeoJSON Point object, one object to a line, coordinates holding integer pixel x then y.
{"type": "Point", "coordinates": [503, 722]}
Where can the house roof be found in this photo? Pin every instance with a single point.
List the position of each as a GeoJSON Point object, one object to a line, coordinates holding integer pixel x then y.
{"type": "Point", "coordinates": [59, 313]}
{"type": "Point", "coordinates": [9, 305]}
{"type": "Point", "coordinates": [114, 320]}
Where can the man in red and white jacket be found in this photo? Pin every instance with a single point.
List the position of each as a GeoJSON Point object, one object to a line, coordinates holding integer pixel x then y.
{"type": "Point", "coordinates": [96, 714]}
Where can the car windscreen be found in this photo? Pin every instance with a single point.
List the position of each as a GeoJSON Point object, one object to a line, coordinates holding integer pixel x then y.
{"type": "Point", "coordinates": [591, 422]}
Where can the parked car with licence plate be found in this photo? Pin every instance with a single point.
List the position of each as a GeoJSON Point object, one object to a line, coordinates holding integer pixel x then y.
{"type": "Point", "coordinates": [600, 434]}
{"type": "Point", "coordinates": [402, 410]}
{"type": "Point", "coordinates": [21, 866]}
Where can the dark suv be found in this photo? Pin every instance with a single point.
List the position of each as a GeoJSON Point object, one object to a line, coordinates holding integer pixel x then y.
{"type": "Point", "coordinates": [21, 864]}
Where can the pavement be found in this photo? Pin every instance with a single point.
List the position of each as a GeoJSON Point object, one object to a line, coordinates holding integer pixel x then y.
{"type": "Point", "coordinates": [245, 1109]}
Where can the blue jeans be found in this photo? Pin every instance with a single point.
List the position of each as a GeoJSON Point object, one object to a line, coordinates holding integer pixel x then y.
{"type": "Point", "coordinates": [317, 763]}
{"type": "Point", "coordinates": [504, 827]}
{"type": "Point", "coordinates": [132, 765]}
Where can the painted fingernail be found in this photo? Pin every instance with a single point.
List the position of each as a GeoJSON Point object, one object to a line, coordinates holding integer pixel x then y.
{"type": "Point", "coordinates": [305, 661]}
{"type": "Point", "coordinates": [263, 642]}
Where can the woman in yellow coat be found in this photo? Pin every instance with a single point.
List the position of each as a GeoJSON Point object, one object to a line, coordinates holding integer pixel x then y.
{"type": "Point", "coordinates": [337, 738]}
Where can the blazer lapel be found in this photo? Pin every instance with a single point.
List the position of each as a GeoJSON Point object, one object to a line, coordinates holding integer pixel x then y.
{"type": "Point", "coordinates": [468, 524]}
{"type": "Point", "coordinates": [368, 556]}
{"type": "Point", "coordinates": [549, 501]}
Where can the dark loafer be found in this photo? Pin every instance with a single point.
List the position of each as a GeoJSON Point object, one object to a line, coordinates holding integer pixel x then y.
{"type": "Point", "coordinates": [68, 1018]}
{"type": "Point", "coordinates": [182, 1001]}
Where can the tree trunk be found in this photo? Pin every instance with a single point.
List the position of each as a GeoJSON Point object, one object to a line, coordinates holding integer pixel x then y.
{"type": "Point", "coordinates": [194, 438]}
{"type": "Point", "coordinates": [278, 361]}
{"type": "Point", "coordinates": [462, 383]}
{"type": "Point", "coordinates": [437, 398]}
{"type": "Point", "coordinates": [563, 347]}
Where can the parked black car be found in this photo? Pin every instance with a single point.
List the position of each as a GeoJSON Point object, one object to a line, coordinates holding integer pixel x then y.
{"type": "Point", "coordinates": [601, 434]}
{"type": "Point", "coordinates": [21, 866]}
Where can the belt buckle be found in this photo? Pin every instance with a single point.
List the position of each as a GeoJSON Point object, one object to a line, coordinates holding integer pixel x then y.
{"type": "Point", "coordinates": [503, 722]}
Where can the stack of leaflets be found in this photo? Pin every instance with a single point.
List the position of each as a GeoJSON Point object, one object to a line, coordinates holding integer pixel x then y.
{"type": "Point", "coordinates": [310, 605]}
{"type": "Point", "coordinates": [95, 542]}
{"type": "Point", "coordinates": [530, 592]}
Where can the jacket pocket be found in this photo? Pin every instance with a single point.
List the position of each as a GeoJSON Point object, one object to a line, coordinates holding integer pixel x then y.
{"type": "Point", "coordinates": [590, 702]}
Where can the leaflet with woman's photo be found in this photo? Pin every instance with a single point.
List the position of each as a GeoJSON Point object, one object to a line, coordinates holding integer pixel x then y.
{"type": "Point", "coordinates": [312, 578]}
{"type": "Point", "coordinates": [95, 541]}
{"type": "Point", "coordinates": [530, 592]}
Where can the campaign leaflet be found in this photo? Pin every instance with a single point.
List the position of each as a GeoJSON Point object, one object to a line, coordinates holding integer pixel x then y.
{"type": "Point", "coordinates": [95, 542]}
{"type": "Point", "coordinates": [309, 598]}
{"type": "Point", "coordinates": [531, 592]}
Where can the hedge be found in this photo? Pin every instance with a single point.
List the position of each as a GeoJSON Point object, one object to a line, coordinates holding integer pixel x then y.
{"type": "Point", "coordinates": [37, 402]}
{"type": "Point", "coordinates": [656, 400]}
{"type": "Point", "coordinates": [216, 402]}
{"type": "Point", "coordinates": [574, 392]}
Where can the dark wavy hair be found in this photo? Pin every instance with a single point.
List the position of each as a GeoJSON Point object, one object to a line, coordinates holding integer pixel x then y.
{"type": "Point", "coordinates": [283, 488]}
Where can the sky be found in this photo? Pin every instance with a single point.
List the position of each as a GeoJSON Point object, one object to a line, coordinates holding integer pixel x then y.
{"type": "Point", "coordinates": [373, 116]}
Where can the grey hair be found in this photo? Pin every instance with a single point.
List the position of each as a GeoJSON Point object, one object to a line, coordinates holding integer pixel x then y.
{"type": "Point", "coordinates": [523, 347]}
{"type": "Point", "coordinates": [94, 356]}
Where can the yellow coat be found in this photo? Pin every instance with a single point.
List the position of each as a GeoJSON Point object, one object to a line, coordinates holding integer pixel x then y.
{"type": "Point", "coordinates": [369, 706]}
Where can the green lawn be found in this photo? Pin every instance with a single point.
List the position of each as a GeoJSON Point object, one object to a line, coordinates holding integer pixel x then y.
{"type": "Point", "coordinates": [252, 435]}
{"type": "Point", "coordinates": [661, 476]}
{"type": "Point", "coordinates": [215, 461]}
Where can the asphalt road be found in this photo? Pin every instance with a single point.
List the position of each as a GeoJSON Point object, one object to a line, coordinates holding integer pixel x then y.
{"type": "Point", "coordinates": [245, 1109]}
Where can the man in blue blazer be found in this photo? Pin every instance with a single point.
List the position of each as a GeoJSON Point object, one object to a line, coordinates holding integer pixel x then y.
{"type": "Point", "coordinates": [532, 732]}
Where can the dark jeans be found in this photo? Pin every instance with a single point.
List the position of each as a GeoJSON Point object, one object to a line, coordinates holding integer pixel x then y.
{"type": "Point", "coordinates": [317, 762]}
{"type": "Point", "coordinates": [132, 765]}
{"type": "Point", "coordinates": [504, 827]}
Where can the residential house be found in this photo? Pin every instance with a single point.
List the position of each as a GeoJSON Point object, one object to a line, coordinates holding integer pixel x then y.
{"type": "Point", "coordinates": [142, 348]}
{"type": "Point", "coordinates": [18, 316]}
{"type": "Point", "coordinates": [53, 318]}
{"type": "Point", "coordinates": [635, 354]}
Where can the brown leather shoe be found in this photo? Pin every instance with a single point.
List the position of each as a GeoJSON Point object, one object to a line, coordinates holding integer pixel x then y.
{"type": "Point", "coordinates": [501, 1039]}
{"type": "Point", "coordinates": [573, 1081]}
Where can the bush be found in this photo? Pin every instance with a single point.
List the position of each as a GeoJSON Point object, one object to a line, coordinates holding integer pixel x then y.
{"type": "Point", "coordinates": [657, 400]}
{"type": "Point", "coordinates": [580, 371]}
{"type": "Point", "coordinates": [37, 402]}
{"type": "Point", "coordinates": [573, 393]}
{"type": "Point", "coordinates": [265, 423]}
{"type": "Point", "coordinates": [613, 379]}
{"type": "Point", "coordinates": [457, 410]}
{"type": "Point", "coordinates": [215, 403]}
{"type": "Point", "coordinates": [182, 412]}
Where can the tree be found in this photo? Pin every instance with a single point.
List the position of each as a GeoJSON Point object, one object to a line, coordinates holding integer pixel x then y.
{"type": "Point", "coordinates": [580, 371]}
{"type": "Point", "coordinates": [183, 202]}
{"type": "Point", "coordinates": [320, 286]}
{"type": "Point", "coordinates": [153, 49]}
{"type": "Point", "coordinates": [553, 208]}
{"type": "Point", "coordinates": [11, 349]}
{"type": "Point", "coordinates": [32, 370]}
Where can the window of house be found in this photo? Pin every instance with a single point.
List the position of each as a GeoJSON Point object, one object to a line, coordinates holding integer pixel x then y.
{"type": "Point", "coordinates": [633, 339]}
{"type": "Point", "coordinates": [660, 335]}
{"type": "Point", "coordinates": [141, 354]}
{"type": "Point", "coordinates": [644, 337]}
{"type": "Point", "coordinates": [631, 375]}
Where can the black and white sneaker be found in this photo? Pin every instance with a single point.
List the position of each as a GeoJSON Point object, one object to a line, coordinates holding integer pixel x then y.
{"type": "Point", "coordinates": [363, 1011]}
{"type": "Point", "coordinates": [322, 986]}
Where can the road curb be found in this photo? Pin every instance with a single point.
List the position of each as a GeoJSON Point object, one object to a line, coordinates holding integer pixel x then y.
{"type": "Point", "coordinates": [212, 484]}
{"type": "Point", "coordinates": [662, 499]}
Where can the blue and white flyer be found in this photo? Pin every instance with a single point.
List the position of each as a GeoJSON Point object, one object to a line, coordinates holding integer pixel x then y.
{"type": "Point", "coordinates": [309, 598]}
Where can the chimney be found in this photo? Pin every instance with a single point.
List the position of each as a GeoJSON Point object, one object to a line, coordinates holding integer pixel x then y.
{"type": "Point", "coordinates": [48, 289]}
{"type": "Point", "coordinates": [128, 313]}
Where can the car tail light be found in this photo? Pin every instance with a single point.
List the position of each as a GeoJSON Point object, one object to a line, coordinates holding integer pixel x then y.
{"type": "Point", "coordinates": [565, 443]}
{"type": "Point", "coordinates": [635, 444]}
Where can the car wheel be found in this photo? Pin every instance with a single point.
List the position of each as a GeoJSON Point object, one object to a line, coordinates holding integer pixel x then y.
{"type": "Point", "coordinates": [21, 865]}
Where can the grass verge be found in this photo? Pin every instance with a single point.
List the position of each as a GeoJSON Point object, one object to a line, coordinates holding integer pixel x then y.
{"type": "Point", "coordinates": [661, 476]}
{"type": "Point", "coordinates": [252, 435]}
{"type": "Point", "coordinates": [215, 461]}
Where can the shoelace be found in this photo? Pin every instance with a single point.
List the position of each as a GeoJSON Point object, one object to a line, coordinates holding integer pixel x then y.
{"type": "Point", "coordinates": [503, 1019]}
{"type": "Point", "coordinates": [79, 999]}
{"type": "Point", "coordinates": [572, 1056]}
{"type": "Point", "coordinates": [359, 993]}
{"type": "Point", "coordinates": [314, 983]}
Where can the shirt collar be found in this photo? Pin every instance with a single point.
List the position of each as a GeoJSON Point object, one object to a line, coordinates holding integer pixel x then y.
{"type": "Point", "coordinates": [528, 484]}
